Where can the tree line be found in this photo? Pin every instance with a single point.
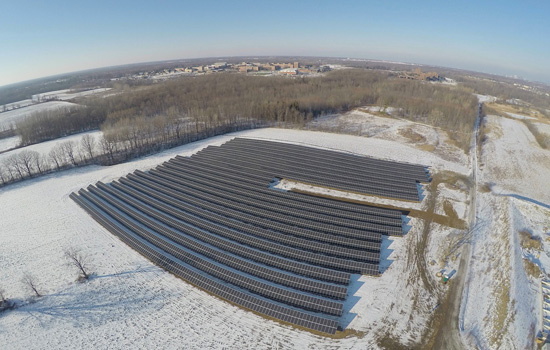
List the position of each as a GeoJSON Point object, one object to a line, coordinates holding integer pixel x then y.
{"type": "Point", "coordinates": [208, 104]}
{"type": "Point", "coordinates": [147, 119]}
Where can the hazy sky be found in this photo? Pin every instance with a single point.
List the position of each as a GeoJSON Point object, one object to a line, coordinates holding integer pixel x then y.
{"type": "Point", "coordinates": [41, 38]}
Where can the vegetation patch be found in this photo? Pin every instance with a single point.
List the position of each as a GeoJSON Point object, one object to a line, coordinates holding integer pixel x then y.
{"type": "Point", "coordinates": [412, 135]}
{"type": "Point", "coordinates": [528, 241]}
{"type": "Point", "coordinates": [449, 210]}
{"type": "Point", "coordinates": [531, 268]}
{"type": "Point", "coordinates": [542, 139]}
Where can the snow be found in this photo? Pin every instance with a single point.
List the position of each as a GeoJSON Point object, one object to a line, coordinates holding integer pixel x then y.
{"type": "Point", "coordinates": [44, 147]}
{"type": "Point", "coordinates": [289, 185]}
{"type": "Point", "coordinates": [519, 116]}
{"type": "Point", "coordinates": [514, 161]}
{"type": "Point", "coordinates": [9, 143]}
{"type": "Point", "coordinates": [132, 303]}
{"type": "Point", "coordinates": [28, 107]}
{"type": "Point", "coordinates": [19, 104]}
{"type": "Point", "coordinates": [543, 128]}
{"type": "Point", "coordinates": [362, 122]}
{"type": "Point", "coordinates": [485, 98]}
{"type": "Point", "coordinates": [69, 94]}
{"type": "Point", "coordinates": [502, 303]}
{"type": "Point", "coordinates": [11, 117]}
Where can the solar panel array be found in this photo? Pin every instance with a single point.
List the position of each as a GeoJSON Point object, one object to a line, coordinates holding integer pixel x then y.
{"type": "Point", "coordinates": [212, 220]}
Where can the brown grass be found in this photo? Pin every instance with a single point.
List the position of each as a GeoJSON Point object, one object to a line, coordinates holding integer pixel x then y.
{"type": "Point", "coordinates": [485, 188]}
{"type": "Point", "coordinates": [542, 139]}
{"type": "Point", "coordinates": [527, 241]}
{"type": "Point", "coordinates": [531, 268]}
{"type": "Point", "coordinates": [418, 139]}
{"type": "Point", "coordinates": [426, 147]}
{"type": "Point", "coordinates": [412, 135]}
{"type": "Point", "coordinates": [449, 210]}
{"type": "Point", "coordinates": [501, 109]}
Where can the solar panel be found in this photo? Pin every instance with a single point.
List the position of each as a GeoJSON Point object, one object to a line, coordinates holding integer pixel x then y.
{"type": "Point", "coordinates": [212, 220]}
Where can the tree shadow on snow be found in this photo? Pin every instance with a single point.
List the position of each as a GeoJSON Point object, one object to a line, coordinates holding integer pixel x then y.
{"type": "Point", "coordinates": [527, 199]}
{"type": "Point", "coordinates": [94, 302]}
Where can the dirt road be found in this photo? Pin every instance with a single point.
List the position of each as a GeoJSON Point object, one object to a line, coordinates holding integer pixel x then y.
{"type": "Point", "coordinates": [448, 336]}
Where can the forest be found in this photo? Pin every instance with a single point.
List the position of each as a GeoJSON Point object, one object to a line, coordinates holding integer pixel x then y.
{"type": "Point", "coordinates": [144, 119]}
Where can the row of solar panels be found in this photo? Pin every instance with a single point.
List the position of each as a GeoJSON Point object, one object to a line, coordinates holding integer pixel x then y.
{"type": "Point", "coordinates": [177, 245]}
{"type": "Point", "coordinates": [299, 160]}
{"type": "Point", "coordinates": [269, 168]}
{"type": "Point", "coordinates": [345, 160]}
{"type": "Point", "coordinates": [309, 320]}
{"type": "Point", "coordinates": [262, 201]}
{"type": "Point", "coordinates": [272, 241]}
{"type": "Point", "coordinates": [218, 214]}
{"type": "Point", "coordinates": [198, 215]}
{"type": "Point", "coordinates": [272, 163]}
{"type": "Point", "coordinates": [226, 239]}
{"type": "Point", "coordinates": [283, 254]}
{"type": "Point", "coordinates": [251, 210]}
{"type": "Point", "coordinates": [248, 180]}
{"type": "Point", "coordinates": [269, 197]}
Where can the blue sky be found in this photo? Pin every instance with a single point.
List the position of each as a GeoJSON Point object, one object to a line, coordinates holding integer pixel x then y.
{"type": "Point", "coordinates": [41, 38]}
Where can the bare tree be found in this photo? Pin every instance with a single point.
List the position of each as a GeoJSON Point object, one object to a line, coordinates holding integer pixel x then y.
{"type": "Point", "coordinates": [38, 162]}
{"type": "Point", "coordinates": [87, 145]}
{"type": "Point", "coordinates": [25, 160]}
{"type": "Point", "coordinates": [3, 175]}
{"type": "Point", "coordinates": [79, 260]}
{"type": "Point", "coordinates": [12, 162]}
{"type": "Point", "coordinates": [68, 148]}
{"type": "Point", "coordinates": [108, 147]}
{"type": "Point", "coordinates": [56, 154]}
{"type": "Point", "coordinates": [30, 282]}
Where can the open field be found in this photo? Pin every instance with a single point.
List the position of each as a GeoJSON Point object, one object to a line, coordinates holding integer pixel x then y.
{"type": "Point", "coordinates": [133, 302]}
{"type": "Point", "coordinates": [10, 118]}
{"type": "Point", "coordinates": [138, 304]}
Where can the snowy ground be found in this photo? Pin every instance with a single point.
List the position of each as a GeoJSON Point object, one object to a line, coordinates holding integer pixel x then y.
{"type": "Point", "coordinates": [501, 306]}
{"type": "Point", "coordinates": [486, 98]}
{"type": "Point", "coordinates": [289, 185]}
{"type": "Point", "coordinates": [513, 160]}
{"type": "Point", "coordinates": [11, 117]}
{"type": "Point", "coordinates": [132, 303]}
{"type": "Point", "coordinates": [362, 122]}
{"type": "Point", "coordinates": [520, 116]}
{"type": "Point", "coordinates": [9, 143]}
{"type": "Point", "coordinates": [68, 94]}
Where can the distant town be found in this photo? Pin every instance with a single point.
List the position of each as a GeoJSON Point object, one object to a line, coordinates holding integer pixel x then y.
{"type": "Point", "coordinates": [288, 69]}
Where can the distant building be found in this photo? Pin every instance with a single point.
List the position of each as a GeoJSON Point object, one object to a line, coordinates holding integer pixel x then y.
{"type": "Point", "coordinates": [288, 71]}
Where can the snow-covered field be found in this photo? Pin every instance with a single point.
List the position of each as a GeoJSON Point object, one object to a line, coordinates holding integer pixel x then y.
{"type": "Point", "coordinates": [502, 302]}
{"type": "Point", "coordinates": [513, 160]}
{"type": "Point", "coordinates": [9, 143]}
{"type": "Point", "coordinates": [44, 147]}
{"type": "Point", "coordinates": [28, 107]}
{"type": "Point", "coordinates": [68, 94]}
{"type": "Point", "coordinates": [384, 132]}
{"type": "Point", "coordinates": [11, 117]}
{"type": "Point", "coordinates": [132, 303]}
